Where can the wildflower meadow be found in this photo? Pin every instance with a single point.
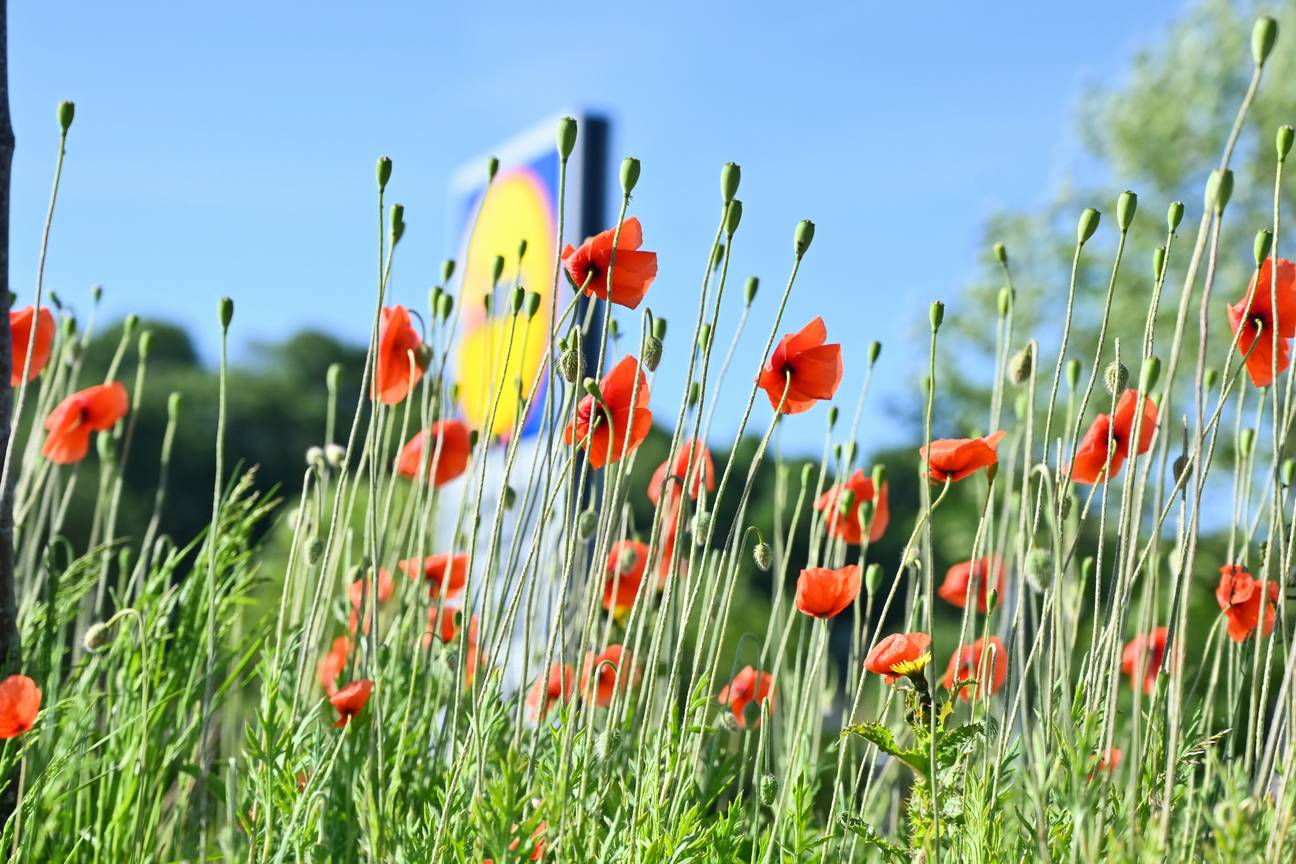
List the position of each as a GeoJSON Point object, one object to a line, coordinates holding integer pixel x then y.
{"type": "Point", "coordinates": [469, 642]}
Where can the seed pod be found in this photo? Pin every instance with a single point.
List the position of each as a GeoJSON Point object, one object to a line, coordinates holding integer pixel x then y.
{"type": "Point", "coordinates": [1283, 142]}
{"type": "Point", "coordinates": [1287, 471]}
{"type": "Point", "coordinates": [1246, 442]}
{"type": "Point", "coordinates": [447, 270]}
{"type": "Point", "coordinates": [875, 351]}
{"type": "Point", "coordinates": [1158, 263]}
{"type": "Point", "coordinates": [694, 393]}
{"type": "Point", "coordinates": [659, 327]}
{"type": "Point", "coordinates": [1115, 377]}
{"type": "Point", "coordinates": [384, 171]}
{"type": "Point", "coordinates": [763, 556]}
{"type": "Point", "coordinates": [1263, 36]}
{"type": "Point", "coordinates": [586, 524]}
{"type": "Point", "coordinates": [1149, 374]}
{"type": "Point", "coordinates": [730, 177]}
{"type": "Point", "coordinates": [878, 477]}
{"type": "Point", "coordinates": [1001, 254]}
{"type": "Point", "coordinates": [1020, 366]}
{"type": "Point", "coordinates": [1263, 243]}
{"type": "Point", "coordinates": [508, 498]}
{"type": "Point", "coordinates": [629, 174]}
{"type": "Point", "coordinates": [66, 111]}
{"type": "Point", "coordinates": [1174, 215]}
{"type": "Point", "coordinates": [717, 256]}
{"type": "Point", "coordinates": [1126, 206]}
{"type": "Point", "coordinates": [174, 402]}
{"type": "Point", "coordinates": [749, 293]}
{"type": "Point", "coordinates": [396, 222]}
{"type": "Point", "coordinates": [832, 416]}
{"type": "Point", "coordinates": [1073, 373]}
{"type": "Point", "coordinates": [768, 789]}
{"type": "Point", "coordinates": [566, 137]}
{"type": "Point", "coordinates": [532, 304]}
{"type": "Point", "coordinates": [1005, 301]}
{"type": "Point", "coordinates": [226, 309]}
{"type": "Point", "coordinates": [872, 577]}
{"type": "Point", "coordinates": [522, 249]}
{"type": "Point", "coordinates": [492, 168]}
{"type": "Point", "coordinates": [937, 315]}
{"type": "Point", "coordinates": [1087, 225]}
{"type": "Point", "coordinates": [846, 503]}
{"type": "Point", "coordinates": [733, 217]}
{"type": "Point", "coordinates": [704, 337]}
{"type": "Point", "coordinates": [423, 355]}
{"type": "Point", "coordinates": [803, 237]}
{"type": "Point", "coordinates": [445, 305]}
{"type": "Point", "coordinates": [145, 344]}
{"type": "Point", "coordinates": [1219, 188]}
{"type": "Point", "coordinates": [1181, 466]}
{"type": "Point", "coordinates": [131, 324]}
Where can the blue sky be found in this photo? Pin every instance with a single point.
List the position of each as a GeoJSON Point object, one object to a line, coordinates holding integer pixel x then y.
{"type": "Point", "coordinates": [229, 148]}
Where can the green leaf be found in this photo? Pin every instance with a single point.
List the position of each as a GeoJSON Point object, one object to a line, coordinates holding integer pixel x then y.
{"type": "Point", "coordinates": [881, 737]}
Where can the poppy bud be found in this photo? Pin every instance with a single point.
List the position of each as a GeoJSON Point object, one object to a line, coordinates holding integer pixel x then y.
{"type": "Point", "coordinates": [807, 471]}
{"type": "Point", "coordinates": [174, 401]}
{"type": "Point", "coordinates": [1088, 224]}
{"type": "Point", "coordinates": [803, 237]}
{"type": "Point", "coordinates": [1219, 188]}
{"type": "Point", "coordinates": [1115, 377]}
{"type": "Point", "coordinates": [423, 355]}
{"type": "Point", "coordinates": [445, 305]}
{"type": "Point", "coordinates": [1263, 36]}
{"type": "Point", "coordinates": [145, 344]}
{"type": "Point", "coordinates": [704, 337]}
{"type": "Point", "coordinates": [750, 292]}
{"type": "Point", "coordinates": [532, 304]}
{"type": "Point", "coordinates": [832, 416]}
{"type": "Point", "coordinates": [733, 216]}
{"type": "Point", "coordinates": [1005, 301]}
{"type": "Point", "coordinates": [652, 350]}
{"type": "Point", "coordinates": [865, 512]}
{"type": "Point", "coordinates": [1283, 142]}
{"type": "Point", "coordinates": [937, 315]}
{"type": "Point", "coordinates": [98, 636]}
{"type": "Point", "coordinates": [1181, 465]}
{"type": "Point", "coordinates": [1126, 206]}
{"type": "Point", "coordinates": [1020, 366]}
{"type": "Point", "coordinates": [1087, 568]}
{"type": "Point", "coordinates": [701, 526]}
{"type": "Point", "coordinates": [848, 451]}
{"type": "Point", "coordinates": [492, 168]}
{"type": "Point", "coordinates": [488, 303]}
{"type": "Point", "coordinates": [96, 294]}
{"type": "Point", "coordinates": [473, 434]}
{"type": "Point", "coordinates": [226, 312]}
{"type": "Point", "coordinates": [694, 393]}
{"type": "Point", "coordinates": [1150, 373]}
{"type": "Point", "coordinates": [1039, 566]}
{"type": "Point", "coordinates": [315, 456]}
{"type": "Point", "coordinates": [384, 172]}
{"type": "Point", "coordinates": [522, 249]}
{"type": "Point", "coordinates": [1246, 442]}
{"type": "Point", "coordinates": [509, 497]}
{"type": "Point", "coordinates": [104, 444]}
{"type": "Point", "coordinates": [1287, 472]}
{"type": "Point", "coordinates": [570, 365]}
{"type": "Point", "coordinates": [1158, 263]}
{"type": "Point", "coordinates": [447, 270]}
{"type": "Point", "coordinates": [519, 298]}
{"type": "Point", "coordinates": [497, 269]}
{"type": "Point", "coordinates": [566, 137]}
{"type": "Point", "coordinates": [69, 324]}
{"type": "Point", "coordinates": [629, 174]}
{"type": "Point", "coordinates": [659, 328]}
{"type": "Point", "coordinates": [586, 524]}
{"type": "Point", "coordinates": [872, 577]}
{"type": "Point", "coordinates": [1174, 215]}
{"type": "Point", "coordinates": [334, 454]}
{"type": "Point", "coordinates": [1209, 378]}
{"type": "Point", "coordinates": [846, 502]}
{"type": "Point", "coordinates": [132, 323]}
{"type": "Point", "coordinates": [1001, 254]}
{"type": "Point", "coordinates": [730, 175]}
{"type": "Point", "coordinates": [717, 256]}
{"type": "Point", "coordinates": [314, 550]}
{"type": "Point", "coordinates": [1263, 243]}
{"type": "Point", "coordinates": [763, 556]}
{"type": "Point", "coordinates": [768, 789]}
{"type": "Point", "coordinates": [875, 351]}
{"type": "Point", "coordinates": [66, 111]}
{"type": "Point", "coordinates": [1073, 373]}
{"type": "Point", "coordinates": [614, 329]}
{"type": "Point", "coordinates": [333, 377]}
{"type": "Point", "coordinates": [878, 477]}
{"type": "Point", "coordinates": [54, 298]}
{"type": "Point", "coordinates": [396, 222]}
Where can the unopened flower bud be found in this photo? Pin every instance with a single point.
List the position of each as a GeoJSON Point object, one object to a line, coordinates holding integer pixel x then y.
{"type": "Point", "coordinates": [532, 304]}
{"type": "Point", "coordinates": [1068, 502]}
{"type": "Point", "coordinates": [509, 497]}
{"type": "Point", "coordinates": [878, 477]}
{"type": "Point", "coordinates": [768, 789]}
{"type": "Point", "coordinates": [730, 176]}
{"type": "Point", "coordinates": [1263, 36]}
{"type": "Point", "coordinates": [750, 291]}
{"type": "Point", "coordinates": [497, 269]}
{"type": "Point", "coordinates": [1126, 206]}
{"type": "Point", "coordinates": [447, 270]}
{"type": "Point", "coordinates": [333, 377]}
{"type": "Point", "coordinates": [1246, 442]}
{"type": "Point", "coordinates": [384, 171]}
{"type": "Point", "coordinates": [174, 402]}
{"type": "Point", "coordinates": [1283, 142]}
{"type": "Point", "coordinates": [518, 299]}
{"type": "Point", "coordinates": [832, 416]}
{"type": "Point", "coordinates": [763, 555]}
{"type": "Point", "coordinates": [1263, 243]}
{"type": "Point", "coordinates": [1209, 378]}
{"type": "Point", "coordinates": [586, 524]}
{"type": "Point", "coordinates": [522, 249]}
{"type": "Point", "coordinates": [66, 111]}
{"type": "Point", "coordinates": [98, 636]}
{"type": "Point", "coordinates": [1087, 225]}
{"type": "Point", "coordinates": [1115, 377]}
{"type": "Point", "coordinates": [704, 337]}
{"type": "Point", "coordinates": [145, 344]}
{"type": "Point", "coordinates": [1174, 215]}
{"type": "Point", "coordinates": [445, 305]}
{"type": "Point", "coordinates": [1073, 373]}
{"type": "Point", "coordinates": [846, 502]}
{"type": "Point", "coordinates": [1287, 471]}
{"type": "Point", "coordinates": [803, 236]}
{"type": "Point", "coordinates": [1005, 301]}
{"type": "Point", "coordinates": [1020, 366]}
{"type": "Point", "coordinates": [131, 324]}
{"type": "Point", "coordinates": [492, 168]}
{"type": "Point", "coordinates": [396, 222]}
{"type": "Point", "coordinates": [1219, 188]}
{"type": "Point", "coordinates": [314, 550]}
{"type": "Point", "coordinates": [733, 217]}
{"type": "Point", "coordinates": [1039, 566]}
{"type": "Point", "coordinates": [937, 315]}
{"type": "Point", "coordinates": [1158, 263]}
{"type": "Point", "coordinates": [694, 393]}
{"type": "Point", "coordinates": [226, 310]}
{"type": "Point", "coordinates": [1001, 254]}
{"type": "Point", "coordinates": [566, 137]}
{"type": "Point", "coordinates": [652, 351]}
{"type": "Point", "coordinates": [872, 577]}
{"type": "Point", "coordinates": [629, 174]}
{"type": "Point", "coordinates": [874, 352]}
{"type": "Point", "coordinates": [717, 256]}
{"type": "Point", "coordinates": [1149, 374]}
{"type": "Point", "coordinates": [423, 355]}
{"type": "Point", "coordinates": [1181, 466]}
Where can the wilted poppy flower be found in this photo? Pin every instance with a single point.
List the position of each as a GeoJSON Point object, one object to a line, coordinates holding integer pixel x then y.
{"type": "Point", "coordinates": [1113, 436]}
{"type": "Point", "coordinates": [748, 686]}
{"type": "Point", "coordinates": [973, 663]}
{"type": "Point", "coordinates": [700, 473]}
{"type": "Point", "coordinates": [350, 700]}
{"type": "Point", "coordinates": [627, 560]}
{"type": "Point", "coordinates": [1257, 319]}
{"type": "Point", "coordinates": [20, 324]}
{"type": "Point", "coordinates": [632, 273]}
{"type": "Point", "coordinates": [629, 427]}
{"type": "Point", "coordinates": [333, 664]}
{"type": "Point", "coordinates": [955, 588]}
{"type": "Point", "coordinates": [20, 701]}
{"type": "Point", "coordinates": [603, 674]}
{"type": "Point", "coordinates": [803, 365]}
{"type": "Point", "coordinates": [899, 654]}
{"type": "Point", "coordinates": [443, 465]}
{"type": "Point", "coordinates": [952, 459]}
{"type": "Point", "coordinates": [846, 526]}
{"type": "Point", "coordinates": [822, 592]}
{"type": "Point", "coordinates": [1141, 660]}
{"type": "Point", "coordinates": [442, 571]}
{"type": "Point", "coordinates": [555, 687]}
{"type": "Point", "coordinates": [394, 370]}
{"type": "Point", "coordinates": [1239, 596]}
{"type": "Point", "coordinates": [443, 624]}
{"type": "Point", "coordinates": [94, 409]}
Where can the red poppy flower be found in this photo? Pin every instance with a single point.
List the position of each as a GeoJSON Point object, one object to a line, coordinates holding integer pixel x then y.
{"type": "Point", "coordinates": [898, 654]}
{"type": "Point", "coordinates": [441, 569]}
{"type": "Point", "coordinates": [952, 459]}
{"type": "Point", "coordinates": [629, 427]}
{"type": "Point", "coordinates": [554, 688]}
{"type": "Point", "coordinates": [632, 273]}
{"type": "Point", "coordinates": [748, 686]}
{"type": "Point", "coordinates": [358, 591]}
{"type": "Point", "coordinates": [1141, 660]}
{"type": "Point", "coordinates": [846, 526]}
{"type": "Point", "coordinates": [1092, 453]}
{"type": "Point", "coordinates": [627, 560]}
{"type": "Point", "coordinates": [1111, 760]}
{"type": "Point", "coordinates": [94, 409]}
{"type": "Point", "coordinates": [350, 700]}
{"type": "Point", "coordinates": [954, 589]}
{"type": "Point", "coordinates": [537, 837]}
{"type": "Point", "coordinates": [472, 656]}
{"type": "Point", "coordinates": [601, 675]}
{"type": "Point", "coordinates": [443, 624]}
{"type": "Point", "coordinates": [333, 664]}
{"type": "Point", "coordinates": [970, 663]}
{"type": "Point", "coordinates": [20, 701]}
{"type": "Point", "coordinates": [394, 372]}
{"type": "Point", "coordinates": [443, 465]}
{"type": "Point", "coordinates": [20, 324]}
{"type": "Point", "coordinates": [822, 593]}
{"type": "Point", "coordinates": [700, 472]}
{"type": "Point", "coordinates": [805, 366]}
{"type": "Point", "coordinates": [1239, 596]}
{"type": "Point", "coordinates": [1257, 319]}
